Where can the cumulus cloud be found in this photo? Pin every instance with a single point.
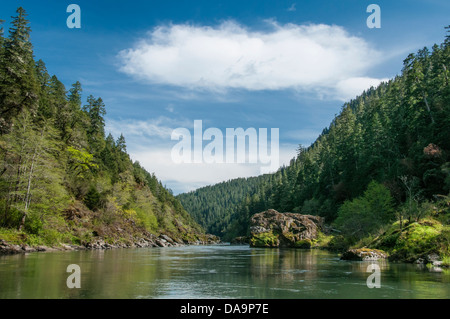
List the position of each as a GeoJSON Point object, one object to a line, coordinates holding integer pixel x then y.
{"type": "Point", "coordinates": [320, 58]}
{"type": "Point", "coordinates": [159, 128]}
{"type": "Point", "coordinates": [352, 87]}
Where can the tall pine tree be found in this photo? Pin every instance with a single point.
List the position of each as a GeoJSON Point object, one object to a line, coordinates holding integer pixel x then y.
{"type": "Point", "coordinates": [18, 85]}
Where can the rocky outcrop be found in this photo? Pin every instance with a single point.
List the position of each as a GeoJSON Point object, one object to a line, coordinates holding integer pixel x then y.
{"type": "Point", "coordinates": [274, 229]}
{"type": "Point", "coordinates": [364, 254]}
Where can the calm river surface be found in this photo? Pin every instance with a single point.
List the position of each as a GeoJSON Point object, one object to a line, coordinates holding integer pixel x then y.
{"type": "Point", "coordinates": [212, 272]}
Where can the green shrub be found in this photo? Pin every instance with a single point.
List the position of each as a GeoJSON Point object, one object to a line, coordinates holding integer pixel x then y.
{"type": "Point", "coordinates": [12, 219]}
{"type": "Point", "coordinates": [366, 214]}
{"type": "Point", "coordinates": [340, 243]}
{"type": "Point", "coordinates": [33, 223]}
{"type": "Point", "coordinates": [147, 220]}
{"type": "Point", "coordinates": [51, 237]}
{"type": "Point", "coordinates": [304, 243]}
{"type": "Point", "coordinates": [92, 198]}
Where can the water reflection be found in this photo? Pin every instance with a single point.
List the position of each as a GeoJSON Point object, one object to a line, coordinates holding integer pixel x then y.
{"type": "Point", "coordinates": [212, 272]}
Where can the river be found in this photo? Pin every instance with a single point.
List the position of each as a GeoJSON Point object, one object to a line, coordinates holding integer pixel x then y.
{"type": "Point", "coordinates": [219, 271]}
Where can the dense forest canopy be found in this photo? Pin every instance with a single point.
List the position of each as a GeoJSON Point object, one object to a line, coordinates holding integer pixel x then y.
{"type": "Point", "coordinates": [55, 159]}
{"type": "Point", "coordinates": [390, 143]}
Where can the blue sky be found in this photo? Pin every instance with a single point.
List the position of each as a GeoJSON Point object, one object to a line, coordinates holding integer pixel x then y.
{"type": "Point", "coordinates": [159, 65]}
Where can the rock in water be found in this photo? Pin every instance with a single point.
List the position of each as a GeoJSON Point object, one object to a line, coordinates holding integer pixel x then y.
{"type": "Point", "coordinates": [364, 254]}
{"type": "Point", "coordinates": [274, 229]}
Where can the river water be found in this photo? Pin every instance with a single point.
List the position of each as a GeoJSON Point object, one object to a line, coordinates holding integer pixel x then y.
{"type": "Point", "coordinates": [220, 271]}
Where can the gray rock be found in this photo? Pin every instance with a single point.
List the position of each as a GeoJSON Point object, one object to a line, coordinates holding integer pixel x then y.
{"type": "Point", "coordinates": [166, 238]}
{"type": "Point", "coordinates": [420, 261]}
{"type": "Point", "coordinates": [364, 254]}
{"type": "Point", "coordinates": [432, 257]}
{"type": "Point", "coordinates": [288, 229]}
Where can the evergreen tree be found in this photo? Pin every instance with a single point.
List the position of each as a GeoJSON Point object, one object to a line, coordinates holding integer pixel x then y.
{"type": "Point", "coordinates": [399, 128]}
{"type": "Point", "coordinates": [18, 86]}
{"type": "Point", "coordinates": [56, 165]}
{"type": "Point", "coordinates": [2, 40]}
{"type": "Point", "coordinates": [95, 110]}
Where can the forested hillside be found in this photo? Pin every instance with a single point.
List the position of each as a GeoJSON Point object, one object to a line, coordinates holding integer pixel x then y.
{"type": "Point", "coordinates": [213, 206]}
{"type": "Point", "coordinates": [386, 156]}
{"type": "Point", "coordinates": [61, 179]}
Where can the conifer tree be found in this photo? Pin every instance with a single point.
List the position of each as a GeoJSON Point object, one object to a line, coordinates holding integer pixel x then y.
{"type": "Point", "coordinates": [95, 110]}
{"type": "Point", "coordinates": [18, 85]}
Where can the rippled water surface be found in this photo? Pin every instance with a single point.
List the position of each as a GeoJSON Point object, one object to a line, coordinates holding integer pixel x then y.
{"type": "Point", "coordinates": [212, 272]}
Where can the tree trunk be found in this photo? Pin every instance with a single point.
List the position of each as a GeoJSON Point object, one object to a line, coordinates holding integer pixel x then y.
{"type": "Point", "coordinates": [28, 194]}
{"type": "Point", "coordinates": [428, 108]}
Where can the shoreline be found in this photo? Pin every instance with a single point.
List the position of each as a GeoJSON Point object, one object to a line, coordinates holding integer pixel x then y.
{"type": "Point", "coordinates": [8, 249]}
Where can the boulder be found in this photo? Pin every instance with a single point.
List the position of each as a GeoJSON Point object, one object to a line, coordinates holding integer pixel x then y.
{"type": "Point", "coordinates": [9, 249]}
{"type": "Point", "coordinates": [241, 240]}
{"type": "Point", "coordinates": [364, 254]}
{"type": "Point", "coordinates": [274, 229]}
{"type": "Point", "coordinates": [167, 239]}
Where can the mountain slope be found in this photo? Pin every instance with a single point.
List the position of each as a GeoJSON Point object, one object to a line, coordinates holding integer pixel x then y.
{"type": "Point", "coordinates": [61, 179]}
{"type": "Point", "coordinates": [395, 135]}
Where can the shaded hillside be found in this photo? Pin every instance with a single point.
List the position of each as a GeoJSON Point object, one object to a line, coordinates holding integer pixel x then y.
{"type": "Point", "coordinates": [61, 179]}
{"type": "Point", "coordinates": [395, 136]}
{"type": "Point", "coordinates": [213, 206]}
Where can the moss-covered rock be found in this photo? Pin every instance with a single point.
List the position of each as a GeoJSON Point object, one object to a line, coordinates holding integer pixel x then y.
{"type": "Point", "coordinates": [274, 229]}
{"type": "Point", "coordinates": [304, 243]}
{"type": "Point", "coordinates": [265, 239]}
{"type": "Point", "coordinates": [418, 241]}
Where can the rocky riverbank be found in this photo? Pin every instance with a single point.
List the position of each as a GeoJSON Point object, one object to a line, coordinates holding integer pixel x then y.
{"type": "Point", "coordinates": [424, 242]}
{"type": "Point", "coordinates": [150, 241]}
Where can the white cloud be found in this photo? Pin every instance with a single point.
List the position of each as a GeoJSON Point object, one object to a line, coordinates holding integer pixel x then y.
{"type": "Point", "coordinates": [317, 57]}
{"type": "Point", "coordinates": [160, 128]}
{"type": "Point", "coordinates": [352, 87]}
{"type": "Point", "coordinates": [185, 177]}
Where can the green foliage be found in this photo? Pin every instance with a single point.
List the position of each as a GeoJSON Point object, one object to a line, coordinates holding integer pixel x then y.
{"type": "Point", "coordinates": [304, 243]}
{"type": "Point", "coordinates": [398, 129]}
{"type": "Point", "coordinates": [268, 239]}
{"type": "Point", "coordinates": [418, 240]}
{"type": "Point", "coordinates": [365, 214]}
{"type": "Point", "coordinates": [80, 162]}
{"type": "Point", "coordinates": [18, 84]}
{"type": "Point", "coordinates": [340, 243]}
{"type": "Point", "coordinates": [147, 220]}
{"type": "Point", "coordinates": [61, 180]}
{"type": "Point", "coordinates": [92, 199]}
{"type": "Point", "coordinates": [33, 224]}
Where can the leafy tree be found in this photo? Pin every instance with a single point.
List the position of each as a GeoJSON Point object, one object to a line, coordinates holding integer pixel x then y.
{"type": "Point", "coordinates": [57, 167]}
{"type": "Point", "coordinates": [365, 214]}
